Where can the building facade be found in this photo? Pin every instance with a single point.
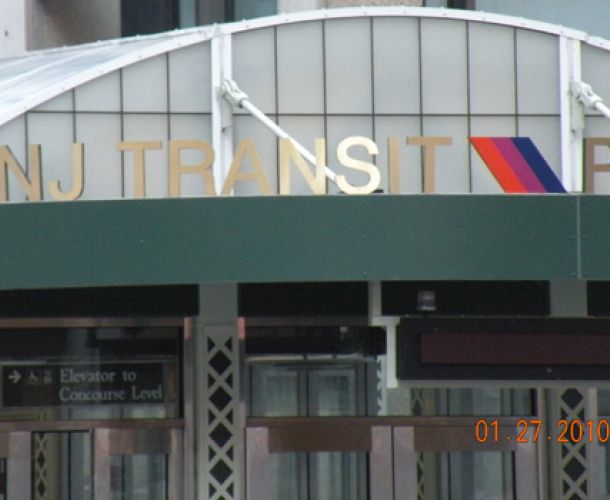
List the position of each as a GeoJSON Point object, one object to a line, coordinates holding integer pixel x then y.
{"type": "Point", "coordinates": [337, 254]}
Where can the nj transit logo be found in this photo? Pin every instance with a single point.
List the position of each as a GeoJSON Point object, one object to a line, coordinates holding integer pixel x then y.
{"type": "Point", "coordinates": [517, 165]}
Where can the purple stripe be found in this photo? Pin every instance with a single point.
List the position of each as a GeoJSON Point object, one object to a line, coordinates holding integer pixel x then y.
{"type": "Point", "coordinates": [516, 161]}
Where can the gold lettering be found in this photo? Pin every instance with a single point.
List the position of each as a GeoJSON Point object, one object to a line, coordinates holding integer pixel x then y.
{"type": "Point", "coordinates": [176, 168]}
{"type": "Point", "coordinates": [394, 163]}
{"type": "Point", "coordinates": [246, 148]}
{"type": "Point", "coordinates": [77, 174]}
{"type": "Point", "coordinates": [288, 152]}
{"type": "Point", "coordinates": [138, 148]}
{"type": "Point", "coordinates": [368, 168]}
{"type": "Point", "coordinates": [429, 144]}
{"type": "Point", "coordinates": [591, 167]}
{"type": "Point", "coordinates": [32, 186]}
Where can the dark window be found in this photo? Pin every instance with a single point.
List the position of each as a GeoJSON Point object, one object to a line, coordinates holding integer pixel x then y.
{"type": "Point", "coordinates": [141, 17]}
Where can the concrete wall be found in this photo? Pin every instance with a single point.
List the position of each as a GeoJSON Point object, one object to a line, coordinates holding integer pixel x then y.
{"type": "Point", "coordinates": [54, 23]}
{"type": "Point", "coordinates": [12, 27]}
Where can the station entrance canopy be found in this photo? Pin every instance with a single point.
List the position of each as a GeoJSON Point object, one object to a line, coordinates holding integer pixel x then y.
{"type": "Point", "coordinates": [400, 101]}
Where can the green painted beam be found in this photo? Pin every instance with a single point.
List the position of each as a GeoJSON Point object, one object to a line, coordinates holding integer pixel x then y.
{"type": "Point", "coordinates": [252, 239]}
{"type": "Point", "coordinates": [595, 237]}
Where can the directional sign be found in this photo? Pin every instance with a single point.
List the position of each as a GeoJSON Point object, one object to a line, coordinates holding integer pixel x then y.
{"type": "Point", "coordinates": [78, 384]}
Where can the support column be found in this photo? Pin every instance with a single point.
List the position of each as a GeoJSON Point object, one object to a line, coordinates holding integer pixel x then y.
{"type": "Point", "coordinates": [219, 421]}
{"type": "Point", "coordinates": [571, 464]}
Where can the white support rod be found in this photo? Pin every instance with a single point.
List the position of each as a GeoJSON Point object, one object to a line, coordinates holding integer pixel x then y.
{"type": "Point", "coordinates": [603, 109]}
{"type": "Point", "coordinates": [232, 93]}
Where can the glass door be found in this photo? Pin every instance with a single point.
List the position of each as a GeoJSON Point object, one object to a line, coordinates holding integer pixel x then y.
{"type": "Point", "coordinates": [138, 464]}
{"type": "Point", "coordinates": [405, 457]}
{"type": "Point", "coordinates": [316, 390]}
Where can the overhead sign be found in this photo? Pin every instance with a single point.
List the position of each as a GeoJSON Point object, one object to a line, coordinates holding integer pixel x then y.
{"type": "Point", "coordinates": [515, 162]}
{"type": "Point", "coordinates": [78, 384]}
{"type": "Point", "coordinates": [459, 348]}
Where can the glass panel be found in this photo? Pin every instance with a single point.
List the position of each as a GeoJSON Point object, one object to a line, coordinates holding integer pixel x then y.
{"type": "Point", "coordinates": [333, 476]}
{"type": "Point", "coordinates": [348, 66]}
{"type": "Point", "coordinates": [190, 80]}
{"type": "Point", "coordinates": [62, 465]}
{"type": "Point", "coordinates": [537, 72]}
{"type": "Point", "coordinates": [492, 68]}
{"type": "Point", "coordinates": [299, 64]}
{"type": "Point", "coordinates": [452, 168]}
{"type": "Point", "coordinates": [145, 85]}
{"type": "Point", "coordinates": [467, 476]}
{"type": "Point", "coordinates": [396, 47]}
{"type": "Point", "coordinates": [138, 477]}
{"type": "Point", "coordinates": [248, 9]}
{"type": "Point", "coordinates": [101, 94]}
{"type": "Point", "coordinates": [100, 133]}
{"type": "Point", "coordinates": [253, 56]}
{"type": "Point", "coordinates": [443, 55]}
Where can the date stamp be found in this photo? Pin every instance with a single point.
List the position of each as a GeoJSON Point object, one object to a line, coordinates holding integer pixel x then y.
{"type": "Point", "coordinates": [530, 430]}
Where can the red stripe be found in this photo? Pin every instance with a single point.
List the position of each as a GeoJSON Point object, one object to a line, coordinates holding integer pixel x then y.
{"type": "Point", "coordinates": [498, 166]}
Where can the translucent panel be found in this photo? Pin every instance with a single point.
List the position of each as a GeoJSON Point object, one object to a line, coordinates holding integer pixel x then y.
{"type": "Point", "coordinates": [595, 71]}
{"type": "Point", "coordinates": [546, 134]}
{"type": "Point", "coordinates": [63, 102]}
{"type": "Point", "coordinates": [147, 128]}
{"type": "Point", "coordinates": [191, 127]}
{"type": "Point", "coordinates": [444, 66]}
{"type": "Point", "coordinates": [12, 134]}
{"type": "Point", "coordinates": [396, 57]}
{"type": "Point", "coordinates": [483, 181]}
{"type": "Point", "coordinates": [348, 66]}
{"type": "Point", "coordinates": [409, 158]}
{"type": "Point", "coordinates": [254, 67]}
{"type": "Point", "coordinates": [305, 129]}
{"type": "Point", "coordinates": [101, 94]}
{"type": "Point", "coordinates": [145, 85]}
{"type": "Point", "coordinates": [189, 79]}
{"type": "Point", "coordinates": [300, 68]}
{"type": "Point", "coordinates": [342, 127]}
{"type": "Point", "coordinates": [452, 166]}
{"type": "Point", "coordinates": [537, 72]}
{"type": "Point", "coordinates": [492, 68]}
{"type": "Point", "coordinates": [100, 133]}
{"type": "Point", "coordinates": [600, 127]}
{"type": "Point", "coordinates": [55, 134]}
{"type": "Point", "coordinates": [265, 144]}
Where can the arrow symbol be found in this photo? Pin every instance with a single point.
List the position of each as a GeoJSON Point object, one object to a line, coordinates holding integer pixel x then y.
{"type": "Point", "coordinates": [15, 377]}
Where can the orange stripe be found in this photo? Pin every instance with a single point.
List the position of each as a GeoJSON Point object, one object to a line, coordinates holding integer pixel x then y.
{"type": "Point", "coordinates": [498, 166]}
